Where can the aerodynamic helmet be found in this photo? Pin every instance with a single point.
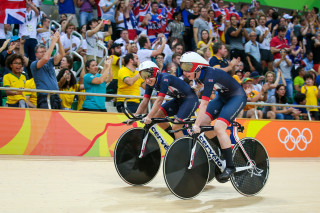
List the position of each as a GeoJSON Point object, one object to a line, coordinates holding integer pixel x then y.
{"type": "Point", "coordinates": [148, 69]}
{"type": "Point", "coordinates": [192, 62]}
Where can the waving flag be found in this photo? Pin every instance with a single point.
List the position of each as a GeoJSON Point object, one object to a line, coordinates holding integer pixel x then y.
{"type": "Point", "coordinates": [12, 11]}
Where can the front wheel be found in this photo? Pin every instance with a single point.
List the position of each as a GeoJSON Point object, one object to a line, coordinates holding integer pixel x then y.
{"type": "Point", "coordinates": [132, 169]}
{"type": "Point", "coordinates": [182, 181]}
{"type": "Point", "coordinates": [251, 181]}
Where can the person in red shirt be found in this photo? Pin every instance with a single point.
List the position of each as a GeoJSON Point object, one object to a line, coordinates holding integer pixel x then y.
{"type": "Point", "coordinates": [278, 42]}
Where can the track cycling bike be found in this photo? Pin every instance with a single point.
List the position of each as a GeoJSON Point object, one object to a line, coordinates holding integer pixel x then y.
{"type": "Point", "coordinates": [137, 154]}
{"type": "Point", "coordinates": [186, 173]}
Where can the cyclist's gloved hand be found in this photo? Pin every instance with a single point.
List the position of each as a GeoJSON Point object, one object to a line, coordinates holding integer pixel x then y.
{"type": "Point", "coordinates": [128, 122]}
{"type": "Point", "coordinates": [196, 129]}
{"type": "Point", "coordinates": [146, 120]}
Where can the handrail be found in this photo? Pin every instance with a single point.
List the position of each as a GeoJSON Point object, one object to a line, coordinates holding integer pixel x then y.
{"type": "Point", "coordinates": [82, 62]}
{"type": "Point", "coordinates": [153, 97]}
{"type": "Point", "coordinates": [105, 55]}
{"type": "Point", "coordinates": [81, 40]}
{"type": "Point", "coordinates": [56, 23]}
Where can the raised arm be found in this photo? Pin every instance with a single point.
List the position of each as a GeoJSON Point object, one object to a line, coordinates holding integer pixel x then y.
{"type": "Point", "coordinates": [47, 55]}
{"type": "Point", "coordinates": [61, 53]}
{"type": "Point", "coordinates": [95, 30]}
{"type": "Point", "coordinates": [104, 76]}
{"type": "Point", "coordinates": [25, 59]}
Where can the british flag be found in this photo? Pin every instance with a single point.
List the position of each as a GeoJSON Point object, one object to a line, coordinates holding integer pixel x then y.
{"type": "Point", "coordinates": [12, 11]}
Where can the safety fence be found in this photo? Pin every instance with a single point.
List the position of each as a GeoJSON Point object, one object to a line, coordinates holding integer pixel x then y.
{"type": "Point", "coordinates": [255, 104]}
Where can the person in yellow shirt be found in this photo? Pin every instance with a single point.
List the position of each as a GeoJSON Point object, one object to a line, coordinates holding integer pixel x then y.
{"type": "Point", "coordinates": [16, 80]}
{"type": "Point", "coordinates": [312, 94]}
{"type": "Point", "coordinates": [67, 82]}
{"type": "Point", "coordinates": [205, 41]}
{"type": "Point", "coordinates": [129, 82]}
{"type": "Point", "coordinates": [115, 51]}
{"type": "Point", "coordinates": [31, 97]}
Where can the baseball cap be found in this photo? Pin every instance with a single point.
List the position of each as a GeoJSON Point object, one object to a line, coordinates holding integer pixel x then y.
{"type": "Point", "coordinates": [254, 74]}
{"type": "Point", "coordinates": [14, 38]}
{"type": "Point", "coordinates": [245, 80]}
{"type": "Point", "coordinates": [287, 16]}
{"type": "Point", "coordinates": [116, 45]}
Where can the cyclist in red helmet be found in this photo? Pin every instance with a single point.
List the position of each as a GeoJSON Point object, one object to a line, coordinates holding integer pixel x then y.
{"type": "Point", "coordinates": [227, 104]}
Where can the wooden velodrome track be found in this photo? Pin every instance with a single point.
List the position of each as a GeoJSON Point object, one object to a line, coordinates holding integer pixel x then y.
{"type": "Point", "coordinates": [81, 184]}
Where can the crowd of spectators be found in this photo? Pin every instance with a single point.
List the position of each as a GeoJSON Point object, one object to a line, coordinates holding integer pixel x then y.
{"type": "Point", "coordinates": [274, 55]}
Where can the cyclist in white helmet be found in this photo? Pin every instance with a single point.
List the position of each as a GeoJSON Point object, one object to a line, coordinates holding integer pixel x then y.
{"type": "Point", "coordinates": [184, 102]}
{"type": "Point", "coordinates": [229, 101]}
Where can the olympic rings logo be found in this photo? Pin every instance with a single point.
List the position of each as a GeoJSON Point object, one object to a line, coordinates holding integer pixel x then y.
{"type": "Point", "coordinates": [295, 141]}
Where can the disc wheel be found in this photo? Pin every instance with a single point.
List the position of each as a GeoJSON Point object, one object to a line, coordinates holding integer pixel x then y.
{"type": "Point", "coordinates": [183, 182]}
{"type": "Point", "coordinates": [251, 181]}
{"type": "Point", "coordinates": [132, 169]}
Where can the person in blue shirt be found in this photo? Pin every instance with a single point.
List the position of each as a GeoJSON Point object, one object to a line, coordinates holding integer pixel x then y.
{"type": "Point", "coordinates": [225, 107]}
{"type": "Point", "coordinates": [184, 103]}
{"type": "Point", "coordinates": [95, 82]}
{"type": "Point", "coordinates": [43, 72]}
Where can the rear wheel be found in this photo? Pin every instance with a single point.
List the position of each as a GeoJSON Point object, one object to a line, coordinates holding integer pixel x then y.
{"type": "Point", "coordinates": [132, 169]}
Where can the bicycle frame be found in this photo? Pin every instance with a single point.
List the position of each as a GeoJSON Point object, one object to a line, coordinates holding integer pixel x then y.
{"type": "Point", "coordinates": [158, 135]}
{"type": "Point", "coordinates": [212, 155]}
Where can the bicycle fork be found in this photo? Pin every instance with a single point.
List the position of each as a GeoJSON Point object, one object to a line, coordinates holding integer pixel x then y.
{"type": "Point", "coordinates": [193, 150]}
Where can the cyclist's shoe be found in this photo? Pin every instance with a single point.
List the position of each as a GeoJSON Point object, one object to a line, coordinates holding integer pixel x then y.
{"type": "Point", "coordinates": [225, 175]}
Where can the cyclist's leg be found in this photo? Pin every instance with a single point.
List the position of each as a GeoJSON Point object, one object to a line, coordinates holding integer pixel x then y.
{"type": "Point", "coordinates": [213, 109]}
{"type": "Point", "coordinates": [229, 112]}
{"type": "Point", "coordinates": [169, 108]}
{"type": "Point", "coordinates": [186, 108]}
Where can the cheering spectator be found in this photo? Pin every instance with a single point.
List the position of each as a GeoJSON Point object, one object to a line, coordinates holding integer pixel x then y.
{"type": "Point", "coordinates": [28, 30]}
{"type": "Point", "coordinates": [16, 80]}
{"type": "Point", "coordinates": [95, 82]}
{"type": "Point", "coordinates": [253, 53]}
{"type": "Point", "coordinates": [201, 24]}
{"type": "Point", "coordinates": [206, 41]}
{"type": "Point", "coordinates": [115, 52]}
{"type": "Point", "coordinates": [300, 99]}
{"type": "Point", "coordinates": [252, 96]}
{"type": "Point", "coordinates": [66, 39]}
{"type": "Point", "coordinates": [44, 75]}
{"type": "Point", "coordinates": [167, 51]}
{"type": "Point", "coordinates": [93, 37]}
{"type": "Point", "coordinates": [297, 51]}
{"type": "Point", "coordinates": [176, 27]}
{"type": "Point", "coordinates": [272, 82]}
{"type": "Point", "coordinates": [176, 48]}
{"type": "Point", "coordinates": [44, 33]}
{"type": "Point", "coordinates": [145, 53]}
{"type": "Point", "coordinates": [308, 61]}
{"type": "Point", "coordinates": [282, 113]}
{"type": "Point", "coordinates": [236, 35]}
{"type": "Point", "coordinates": [153, 21]}
{"type": "Point", "coordinates": [159, 61]}
{"type": "Point", "coordinates": [298, 80]}
{"type": "Point", "coordinates": [124, 40]}
{"type": "Point", "coordinates": [129, 82]}
{"type": "Point", "coordinates": [264, 40]}
{"type": "Point", "coordinates": [312, 95]}
{"type": "Point", "coordinates": [279, 42]}
{"type": "Point", "coordinates": [285, 65]}
{"type": "Point", "coordinates": [219, 58]}
{"type": "Point", "coordinates": [67, 82]}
